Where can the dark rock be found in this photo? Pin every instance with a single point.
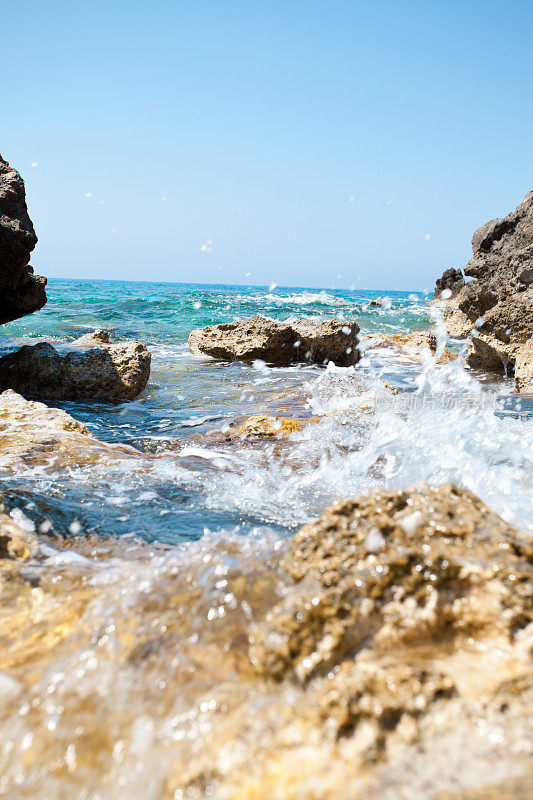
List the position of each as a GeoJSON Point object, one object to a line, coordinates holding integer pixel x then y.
{"type": "Point", "coordinates": [451, 280]}
{"type": "Point", "coordinates": [279, 343]}
{"type": "Point", "coordinates": [497, 306]}
{"type": "Point", "coordinates": [89, 368]}
{"type": "Point", "coordinates": [21, 292]}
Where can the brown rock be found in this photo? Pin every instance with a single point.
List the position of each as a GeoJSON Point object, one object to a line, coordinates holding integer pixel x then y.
{"type": "Point", "coordinates": [33, 434]}
{"type": "Point", "coordinates": [409, 344]}
{"type": "Point", "coordinates": [452, 280]}
{"type": "Point", "coordinates": [501, 294]}
{"type": "Point", "coordinates": [465, 570]}
{"type": "Point", "coordinates": [263, 425]}
{"type": "Point", "coordinates": [88, 368]}
{"type": "Point", "coordinates": [279, 343]}
{"type": "Point", "coordinates": [506, 326]}
{"type": "Point", "coordinates": [21, 292]}
{"type": "Point", "coordinates": [15, 543]}
{"type": "Point", "coordinates": [523, 373]}
{"type": "Point", "coordinates": [391, 656]}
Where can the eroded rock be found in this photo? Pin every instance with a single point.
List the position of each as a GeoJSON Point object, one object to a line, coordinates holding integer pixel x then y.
{"type": "Point", "coordinates": [410, 345]}
{"type": "Point", "coordinates": [21, 292]}
{"type": "Point", "coordinates": [499, 301]}
{"type": "Point", "coordinates": [279, 343]}
{"type": "Point", "coordinates": [32, 434]}
{"type": "Point", "coordinates": [524, 368]}
{"type": "Point", "coordinates": [89, 368]}
{"type": "Point", "coordinates": [429, 566]}
{"type": "Point", "coordinates": [390, 653]}
{"type": "Point", "coordinates": [449, 284]}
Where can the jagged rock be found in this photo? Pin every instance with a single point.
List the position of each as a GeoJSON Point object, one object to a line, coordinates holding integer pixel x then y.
{"type": "Point", "coordinates": [500, 299]}
{"type": "Point", "coordinates": [502, 250]}
{"type": "Point", "coordinates": [279, 343]}
{"type": "Point", "coordinates": [452, 280]}
{"type": "Point", "coordinates": [21, 292]}
{"type": "Point", "coordinates": [458, 325]}
{"type": "Point", "coordinates": [505, 328]}
{"type": "Point", "coordinates": [376, 303]}
{"type": "Point", "coordinates": [523, 373]}
{"type": "Point", "coordinates": [427, 567]}
{"type": "Point", "coordinates": [90, 367]}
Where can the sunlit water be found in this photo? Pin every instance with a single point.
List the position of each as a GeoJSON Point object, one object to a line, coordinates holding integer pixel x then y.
{"type": "Point", "coordinates": [451, 428]}
{"type": "Point", "coordinates": [124, 668]}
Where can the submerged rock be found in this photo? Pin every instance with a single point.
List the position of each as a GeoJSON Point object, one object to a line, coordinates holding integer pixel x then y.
{"type": "Point", "coordinates": [34, 435]}
{"type": "Point", "coordinates": [263, 425]}
{"type": "Point", "coordinates": [279, 343]}
{"type": "Point", "coordinates": [89, 368]}
{"type": "Point", "coordinates": [498, 304]}
{"type": "Point", "coordinates": [21, 292]}
{"type": "Point", "coordinates": [410, 345]}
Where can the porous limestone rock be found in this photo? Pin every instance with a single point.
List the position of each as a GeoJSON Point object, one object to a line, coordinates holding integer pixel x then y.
{"type": "Point", "coordinates": [279, 343]}
{"type": "Point", "coordinates": [410, 345]}
{"type": "Point", "coordinates": [523, 373]}
{"type": "Point", "coordinates": [89, 368]}
{"type": "Point", "coordinates": [503, 330]}
{"type": "Point", "coordinates": [384, 650]}
{"type": "Point", "coordinates": [21, 292]}
{"type": "Point", "coordinates": [34, 435]}
{"type": "Point", "coordinates": [498, 304]}
{"type": "Point", "coordinates": [392, 570]}
{"type": "Point", "coordinates": [450, 282]}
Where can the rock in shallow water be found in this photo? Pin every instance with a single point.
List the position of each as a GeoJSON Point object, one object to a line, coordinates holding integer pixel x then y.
{"type": "Point", "coordinates": [90, 368]}
{"type": "Point", "coordinates": [279, 343]}
{"type": "Point", "coordinates": [389, 653]}
{"type": "Point", "coordinates": [500, 298]}
{"type": "Point", "coordinates": [21, 292]}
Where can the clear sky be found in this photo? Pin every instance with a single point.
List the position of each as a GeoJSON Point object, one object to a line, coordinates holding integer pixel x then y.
{"type": "Point", "coordinates": [250, 142]}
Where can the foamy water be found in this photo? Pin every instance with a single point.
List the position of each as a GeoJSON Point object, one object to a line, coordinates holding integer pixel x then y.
{"type": "Point", "coordinates": [124, 671]}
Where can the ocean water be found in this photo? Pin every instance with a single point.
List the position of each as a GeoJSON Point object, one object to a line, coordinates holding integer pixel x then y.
{"type": "Point", "coordinates": [447, 425]}
{"type": "Point", "coordinates": [125, 671]}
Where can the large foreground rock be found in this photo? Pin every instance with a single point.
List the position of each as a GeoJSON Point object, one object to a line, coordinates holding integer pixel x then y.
{"type": "Point", "coordinates": [90, 368]}
{"type": "Point", "coordinates": [21, 292]}
{"type": "Point", "coordinates": [498, 304]}
{"type": "Point", "coordinates": [279, 343]}
{"type": "Point", "coordinates": [383, 653]}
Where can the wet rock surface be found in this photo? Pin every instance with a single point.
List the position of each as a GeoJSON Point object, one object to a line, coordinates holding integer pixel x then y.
{"type": "Point", "coordinates": [385, 649]}
{"type": "Point", "coordinates": [32, 434]}
{"type": "Point", "coordinates": [279, 343]}
{"type": "Point", "coordinates": [21, 292]}
{"type": "Point", "coordinates": [91, 367]}
{"type": "Point", "coordinates": [499, 301]}
{"type": "Point", "coordinates": [410, 345]}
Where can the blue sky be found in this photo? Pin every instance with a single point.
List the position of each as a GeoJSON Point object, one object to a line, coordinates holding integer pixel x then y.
{"type": "Point", "coordinates": [250, 142]}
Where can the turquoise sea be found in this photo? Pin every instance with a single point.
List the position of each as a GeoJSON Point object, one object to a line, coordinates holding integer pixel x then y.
{"type": "Point", "coordinates": [256, 487]}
